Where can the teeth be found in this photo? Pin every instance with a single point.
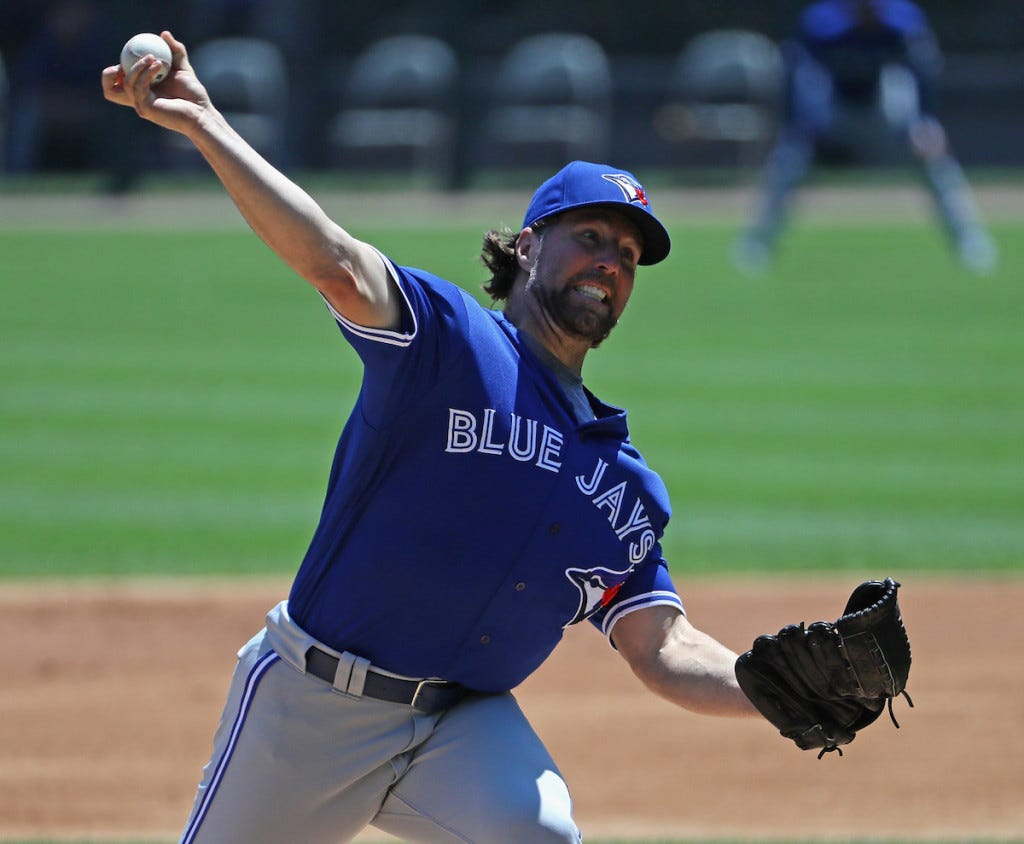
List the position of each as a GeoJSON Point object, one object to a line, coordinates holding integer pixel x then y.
{"type": "Point", "coordinates": [593, 292]}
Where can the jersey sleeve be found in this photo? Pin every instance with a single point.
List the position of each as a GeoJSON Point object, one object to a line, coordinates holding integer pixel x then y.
{"type": "Point", "coordinates": [649, 586]}
{"type": "Point", "coordinates": [369, 342]}
{"type": "Point", "coordinates": [401, 364]}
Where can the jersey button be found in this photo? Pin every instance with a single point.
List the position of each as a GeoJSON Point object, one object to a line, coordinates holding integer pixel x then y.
{"type": "Point", "coordinates": [485, 639]}
{"type": "Point", "coordinates": [554, 528]}
{"type": "Point", "coordinates": [520, 586]}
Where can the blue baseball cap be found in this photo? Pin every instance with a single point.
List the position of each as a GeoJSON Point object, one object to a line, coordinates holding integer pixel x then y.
{"type": "Point", "coordinates": [582, 184]}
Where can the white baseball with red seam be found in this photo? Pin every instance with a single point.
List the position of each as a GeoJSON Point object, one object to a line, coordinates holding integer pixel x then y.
{"type": "Point", "coordinates": [146, 44]}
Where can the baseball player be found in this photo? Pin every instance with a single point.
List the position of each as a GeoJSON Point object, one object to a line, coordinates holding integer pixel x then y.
{"type": "Point", "coordinates": [481, 500]}
{"type": "Point", "coordinates": [861, 75]}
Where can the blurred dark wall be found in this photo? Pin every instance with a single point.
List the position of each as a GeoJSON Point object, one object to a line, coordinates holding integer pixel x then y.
{"type": "Point", "coordinates": [982, 93]}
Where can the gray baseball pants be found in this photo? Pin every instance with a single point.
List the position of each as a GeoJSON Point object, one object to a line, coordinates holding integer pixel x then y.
{"type": "Point", "coordinates": [296, 759]}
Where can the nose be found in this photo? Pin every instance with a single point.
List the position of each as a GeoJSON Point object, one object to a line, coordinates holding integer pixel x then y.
{"type": "Point", "coordinates": [609, 258]}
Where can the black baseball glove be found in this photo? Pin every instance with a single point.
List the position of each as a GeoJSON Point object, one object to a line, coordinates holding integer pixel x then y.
{"type": "Point", "coordinates": [819, 684]}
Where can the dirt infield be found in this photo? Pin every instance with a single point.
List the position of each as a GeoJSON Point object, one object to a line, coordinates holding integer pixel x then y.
{"type": "Point", "coordinates": [111, 693]}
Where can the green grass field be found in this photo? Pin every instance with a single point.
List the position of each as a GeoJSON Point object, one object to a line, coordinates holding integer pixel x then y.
{"type": "Point", "coordinates": [169, 402]}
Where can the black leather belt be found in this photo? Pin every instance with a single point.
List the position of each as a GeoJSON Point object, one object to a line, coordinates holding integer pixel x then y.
{"type": "Point", "coordinates": [425, 695]}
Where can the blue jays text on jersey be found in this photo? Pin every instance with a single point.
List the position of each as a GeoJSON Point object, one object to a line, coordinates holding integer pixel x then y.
{"type": "Point", "coordinates": [469, 518]}
{"type": "Point", "coordinates": [462, 438]}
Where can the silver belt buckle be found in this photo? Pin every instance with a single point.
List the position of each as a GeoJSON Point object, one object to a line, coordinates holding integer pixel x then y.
{"type": "Point", "coordinates": [419, 689]}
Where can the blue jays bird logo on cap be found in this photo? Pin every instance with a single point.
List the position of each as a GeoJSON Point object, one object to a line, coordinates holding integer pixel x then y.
{"type": "Point", "coordinates": [630, 187]}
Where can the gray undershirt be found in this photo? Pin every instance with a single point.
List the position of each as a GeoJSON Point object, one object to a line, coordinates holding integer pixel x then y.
{"type": "Point", "coordinates": [571, 383]}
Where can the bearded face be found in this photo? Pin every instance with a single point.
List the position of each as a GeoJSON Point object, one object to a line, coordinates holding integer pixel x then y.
{"type": "Point", "coordinates": [583, 272]}
{"type": "Point", "coordinates": [580, 309]}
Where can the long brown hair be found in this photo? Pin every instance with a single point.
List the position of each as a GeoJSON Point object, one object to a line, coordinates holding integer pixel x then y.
{"type": "Point", "coordinates": [499, 256]}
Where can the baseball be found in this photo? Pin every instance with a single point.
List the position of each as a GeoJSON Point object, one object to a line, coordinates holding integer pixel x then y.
{"type": "Point", "coordinates": [143, 44]}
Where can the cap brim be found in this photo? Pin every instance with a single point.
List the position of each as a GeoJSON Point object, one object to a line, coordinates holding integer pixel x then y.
{"type": "Point", "coordinates": [657, 243]}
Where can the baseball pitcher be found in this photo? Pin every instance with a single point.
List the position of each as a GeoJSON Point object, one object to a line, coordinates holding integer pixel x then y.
{"type": "Point", "coordinates": [480, 500]}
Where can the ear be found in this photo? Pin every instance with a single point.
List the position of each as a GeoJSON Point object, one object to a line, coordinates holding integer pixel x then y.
{"type": "Point", "coordinates": [527, 249]}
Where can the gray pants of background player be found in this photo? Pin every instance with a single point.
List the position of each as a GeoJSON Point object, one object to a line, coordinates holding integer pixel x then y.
{"type": "Point", "coordinates": [295, 759]}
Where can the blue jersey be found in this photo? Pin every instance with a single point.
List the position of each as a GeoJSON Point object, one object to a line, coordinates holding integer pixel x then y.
{"type": "Point", "coordinates": [469, 518]}
{"type": "Point", "coordinates": [854, 52]}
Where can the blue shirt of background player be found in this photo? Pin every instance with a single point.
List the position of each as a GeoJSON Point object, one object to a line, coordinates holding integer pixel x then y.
{"type": "Point", "coordinates": [469, 518]}
{"type": "Point", "coordinates": [854, 40]}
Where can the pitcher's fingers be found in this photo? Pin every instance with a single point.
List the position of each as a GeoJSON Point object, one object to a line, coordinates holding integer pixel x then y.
{"type": "Point", "coordinates": [141, 77]}
{"type": "Point", "coordinates": [178, 52]}
{"type": "Point", "coordinates": [112, 80]}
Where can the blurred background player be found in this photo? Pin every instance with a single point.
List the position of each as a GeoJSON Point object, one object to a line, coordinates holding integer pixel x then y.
{"type": "Point", "coordinates": [860, 80]}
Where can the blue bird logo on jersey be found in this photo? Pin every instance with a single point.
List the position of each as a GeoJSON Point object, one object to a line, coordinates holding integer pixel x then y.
{"type": "Point", "coordinates": [631, 188]}
{"type": "Point", "coordinates": [597, 586]}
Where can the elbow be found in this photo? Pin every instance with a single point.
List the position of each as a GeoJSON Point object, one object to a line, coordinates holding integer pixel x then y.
{"type": "Point", "coordinates": [337, 282]}
{"type": "Point", "coordinates": [331, 264]}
